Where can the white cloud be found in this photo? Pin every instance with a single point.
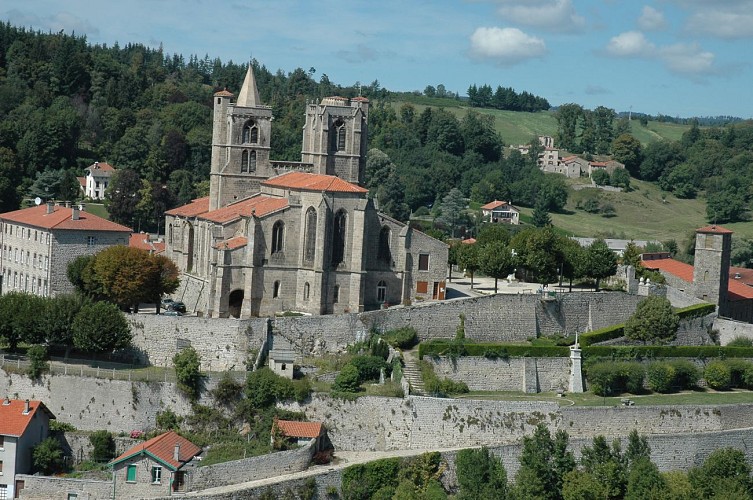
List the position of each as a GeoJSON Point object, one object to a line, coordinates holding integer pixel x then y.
{"type": "Point", "coordinates": [651, 19]}
{"type": "Point", "coordinates": [554, 15]}
{"type": "Point", "coordinates": [722, 23]}
{"type": "Point", "coordinates": [687, 59]}
{"type": "Point", "coordinates": [505, 45]}
{"type": "Point", "coordinates": [630, 44]}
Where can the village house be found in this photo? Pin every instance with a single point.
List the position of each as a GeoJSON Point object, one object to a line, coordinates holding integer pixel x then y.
{"type": "Point", "coordinates": [23, 425]}
{"type": "Point", "coordinates": [500, 212]}
{"type": "Point", "coordinates": [97, 180]}
{"type": "Point", "coordinates": [154, 468]}
{"type": "Point", "coordinates": [37, 243]}
{"type": "Point", "coordinates": [145, 241]}
{"type": "Point", "coordinates": [298, 433]}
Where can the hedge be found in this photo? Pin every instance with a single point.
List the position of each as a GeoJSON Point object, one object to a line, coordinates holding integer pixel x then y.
{"type": "Point", "coordinates": [491, 350]}
{"type": "Point", "coordinates": [617, 331]}
{"type": "Point", "coordinates": [668, 351]}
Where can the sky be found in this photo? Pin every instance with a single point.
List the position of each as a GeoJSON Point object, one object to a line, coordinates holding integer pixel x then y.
{"type": "Point", "coordinates": [674, 57]}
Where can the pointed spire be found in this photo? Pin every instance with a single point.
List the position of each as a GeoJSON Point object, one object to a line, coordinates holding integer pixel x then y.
{"type": "Point", "coordinates": [249, 95]}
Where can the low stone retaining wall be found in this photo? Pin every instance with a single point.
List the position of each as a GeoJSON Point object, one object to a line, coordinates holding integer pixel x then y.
{"type": "Point", "coordinates": [46, 487]}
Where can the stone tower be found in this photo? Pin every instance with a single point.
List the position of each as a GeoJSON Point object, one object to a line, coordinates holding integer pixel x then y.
{"type": "Point", "coordinates": [240, 144]}
{"type": "Point", "coordinates": [334, 137]}
{"type": "Point", "coordinates": [713, 245]}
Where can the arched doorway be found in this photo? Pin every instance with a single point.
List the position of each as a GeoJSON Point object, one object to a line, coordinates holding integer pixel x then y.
{"type": "Point", "coordinates": [235, 301]}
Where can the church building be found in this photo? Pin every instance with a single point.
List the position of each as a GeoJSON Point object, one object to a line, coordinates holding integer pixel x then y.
{"type": "Point", "coordinates": [276, 236]}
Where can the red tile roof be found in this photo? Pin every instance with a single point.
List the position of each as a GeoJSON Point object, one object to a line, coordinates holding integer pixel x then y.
{"type": "Point", "coordinates": [101, 165]}
{"type": "Point", "coordinates": [196, 207]}
{"type": "Point", "coordinates": [313, 182]}
{"type": "Point", "coordinates": [569, 158]}
{"type": "Point", "coordinates": [224, 93]}
{"type": "Point", "coordinates": [359, 98]}
{"type": "Point", "coordinates": [492, 205]}
{"type": "Point", "coordinates": [162, 448]}
{"type": "Point", "coordinates": [82, 181]}
{"type": "Point", "coordinates": [295, 429]}
{"type": "Point", "coordinates": [713, 230]}
{"type": "Point", "coordinates": [259, 205]}
{"type": "Point", "coordinates": [13, 422]}
{"type": "Point", "coordinates": [61, 218]}
{"type": "Point", "coordinates": [232, 243]}
{"type": "Point", "coordinates": [142, 241]}
{"type": "Point", "coordinates": [598, 164]}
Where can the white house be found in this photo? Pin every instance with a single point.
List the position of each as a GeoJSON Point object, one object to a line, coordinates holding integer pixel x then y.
{"type": "Point", "coordinates": [98, 176]}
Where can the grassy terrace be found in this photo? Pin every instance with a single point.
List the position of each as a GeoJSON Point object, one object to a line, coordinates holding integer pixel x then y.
{"type": "Point", "coordinates": [697, 397]}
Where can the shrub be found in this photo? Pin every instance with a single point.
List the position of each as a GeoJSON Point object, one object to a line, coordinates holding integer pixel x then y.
{"type": "Point", "coordinates": [227, 390]}
{"type": "Point", "coordinates": [660, 377]}
{"type": "Point", "coordinates": [38, 360]}
{"type": "Point", "coordinates": [439, 387]}
{"type": "Point", "coordinates": [610, 378]}
{"type": "Point", "coordinates": [168, 420]}
{"type": "Point", "coordinates": [264, 388]}
{"type": "Point", "coordinates": [654, 321]}
{"type": "Point", "coordinates": [187, 365]}
{"type": "Point", "coordinates": [737, 369]}
{"type": "Point", "coordinates": [103, 446]}
{"type": "Point", "coordinates": [348, 380]}
{"type": "Point", "coordinates": [686, 373]}
{"type": "Point", "coordinates": [365, 480]}
{"type": "Point", "coordinates": [490, 349]}
{"type": "Point", "coordinates": [402, 338]}
{"type": "Point", "coordinates": [47, 456]}
{"type": "Point", "coordinates": [718, 375]}
{"type": "Point", "coordinates": [369, 367]}
{"type": "Point", "coordinates": [740, 342]}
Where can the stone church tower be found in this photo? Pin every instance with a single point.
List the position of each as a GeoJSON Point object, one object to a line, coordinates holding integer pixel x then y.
{"type": "Point", "coordinates": [713, 246]}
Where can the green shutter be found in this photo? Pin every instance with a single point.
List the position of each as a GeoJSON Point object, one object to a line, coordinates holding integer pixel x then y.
{"type": "Point", "coordinates": [131, 473]}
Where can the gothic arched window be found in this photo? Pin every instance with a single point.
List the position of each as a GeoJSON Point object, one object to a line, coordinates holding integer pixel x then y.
{"type": "Point", "coordinates": [276, 290]}
{"type": "Point", "coordinates": [383, 252]}
{"type": "Point", "coordinates": [306, 291]}
{"type": "Point", "coordinates": [250, 133]}
{"type": "Point", "coordinates": [309, 237]}
{"type": "Point", "coordinates": [278, 236]}
{"type": "Point", "coordinates": [381, 291]}
{"type": "Point", "coordinates": [338, 237]}
{"type": "Point", "coordinates": [244, 161]}
{"type": "Point", "coordinates": [252, 161]}
{"type": "Point", "coordinates": [338, 135]}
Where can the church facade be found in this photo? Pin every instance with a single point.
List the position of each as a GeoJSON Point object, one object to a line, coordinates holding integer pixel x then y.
{"type": "Point", "coordinates": [276, 236]}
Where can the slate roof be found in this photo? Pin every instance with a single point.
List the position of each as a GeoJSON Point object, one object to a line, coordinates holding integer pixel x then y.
{"type": "Point", "coordinates": [294, 429]}
{"type": "Point", "coordinates": [162, 448]}
{"type": "Point", "coordinates": [61, 218]}
{"type": "Point", "coordinates": [196, 207]}
{"type": "Point", "coordinates": [258, 205]}
{"type": "Point", "coordinates": [313, 182]}
{"type": "Point", "coordinates": [13, 422]}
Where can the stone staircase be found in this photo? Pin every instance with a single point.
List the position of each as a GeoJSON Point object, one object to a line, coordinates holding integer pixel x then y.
{"type": "Point", "coordinates": [412, 373]}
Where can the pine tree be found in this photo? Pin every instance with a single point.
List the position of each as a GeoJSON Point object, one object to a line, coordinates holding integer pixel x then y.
{"type": "Point", "coordinates": [540, 216]}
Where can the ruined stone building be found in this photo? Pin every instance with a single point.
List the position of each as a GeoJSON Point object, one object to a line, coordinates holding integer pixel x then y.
{"type": "Point", "coordinates": [276, 236]}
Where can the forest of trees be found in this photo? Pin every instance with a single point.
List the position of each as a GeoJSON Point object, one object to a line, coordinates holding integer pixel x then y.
{"type": "Point", "coordinates": [505, 98]}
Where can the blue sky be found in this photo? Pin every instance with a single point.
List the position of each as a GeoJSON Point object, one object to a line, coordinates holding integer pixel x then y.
{"type": "Point", "coordinates": [676, 57]}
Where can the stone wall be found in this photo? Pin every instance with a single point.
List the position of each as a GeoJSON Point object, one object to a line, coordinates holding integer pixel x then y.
{"type": "Point", "coordinates": [482, 374]}
{"type": "Point", "coordinates": [729, 330]}
{"type": "Point", "coordinates": [93, 404]}
{"type": "Point", "coordinates": [76, 444]}
{"type": "Point", "coordinates": [251, 469]}
{"type": "Point", "coordinates": [47, 487]}
{"type": "Point", "coordinates": [680, 298]}
{"type": "Point", "coordinates": [222, 343]}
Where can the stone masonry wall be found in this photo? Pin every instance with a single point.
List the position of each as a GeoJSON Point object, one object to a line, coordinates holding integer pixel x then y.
{"type": "Point", "coordinates": [251, 469]}
{"type": "Point", "coordinates": [47, 487]}
{"type": "Point", "coordinates": [482, 374]}
{"type": "Point", "coordinates": [222, 343]}
{"type": "Point", "coordinates": [729, 329]}
{"type": "Point", "coordinates": [77, 445]}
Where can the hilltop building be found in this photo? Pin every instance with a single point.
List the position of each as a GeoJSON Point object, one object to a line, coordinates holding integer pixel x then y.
{"type": "Point", "coordinates": [302, 236]}
{"type": "Point", "coordinates": [97, 180]}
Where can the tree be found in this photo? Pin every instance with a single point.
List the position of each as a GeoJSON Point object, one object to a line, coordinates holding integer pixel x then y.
{"type": "Point", "coordinates": [601, 262]}
{"type": "Point", "coordinates": [10, 178]}
{"type": "Point", "coordinates": [645, 481]}
{"type": "Point", "coordinates": [607, 465]}
{"type": "Point", "coordinates": [496, 260]}
{"type": "Point", "coordinates": [38, 360]}
{"type": "Point", "coordinates": [540, 216]}
{"type": "Point", "coordinates": [57, 320]}
{"type": "Point", "coordinates": [620, 178]}
{"type": "Point", "coordinates": [654, 321]}
{"type": "Point", "coordinates": [103, 446]}
{"type": "Point", "coordinates": [100, 327]}
{"type": "Point", "coordinates": [544, 462]}
{"type": "Point", "coordinates": [725, 465]}
{"type": "Point", "coordinates": [480, 475]}
{"type": "Point", "coordinates": [47, 456]}
{"type": "Point", "coordinates": [600, 177]}
{"type": "Point", "coordinates": [579, 485]}
{"type": "Point", "coordinates": [567, 116]}
{"type": "Point", "coordinates": [628, 150]}
{"type": "Point", "coordinates": [452, 207]}
{"type": "Point", "coordinates": [538, 253]}
{"type": "Point", "coordinates": [187, 364]}
{"type": "Point", "coordinates": [348, 380]}
{"type": "Point", "coordinates": [469, 258]}
{"type": "Point", "coordinates": [123, 196]}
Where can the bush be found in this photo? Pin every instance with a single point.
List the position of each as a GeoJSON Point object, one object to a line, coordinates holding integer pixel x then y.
{"type": "Point", "coordinates": [610, 378]}
{"type": "Point", "coordinates": [718, 375]}
{"type": "Point", "coordinates": [100, 327]}
{"type": "Point", "coordinates": [38, 360]}
{"type": "Point", "coordinates": [402, 338]}
{"type": "Point", "coordinates": [187, 365]}
{"type": "Point", "coordinates": [369, 367]}
{"type": "Point", "coordinates": [740, 342]}
{"type": "Point", "coordinates": [737, 370]}
{"type": "Point", "coordinates": [660, 377]}
{"type": "Point", "coordinates": [665, 351]}
{"type": "Point", "coordinates": [103, 446]}
{"type": "Point", "coordinates": [654, 321]}
{"type": "Point", "coordinates": [365, 480]}
{"type": "Point", "coordinates": [264, 388]}
{"type": "Point", "coordinates": [490, 349]}
{"type": "Point", "coordinates": [686, 373]}
{"type": "Point", "coordinates": [228, 390]}
{"type": "Point", "coordinates": [168, 420]}
{"type": "Point", "coordinates": [602, 335]}
{"type": "Point", "coordinates": [348, 380]}
{"type": "Point", "coordinates": [439, 387]}
{"type": "Point", "coordinates": [47, 457]}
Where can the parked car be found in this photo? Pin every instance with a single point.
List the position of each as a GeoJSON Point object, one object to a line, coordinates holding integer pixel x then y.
{"type": "Point", "coordinates": [166, 302]}
{"type": "Point", "coordinates": [177, 306]}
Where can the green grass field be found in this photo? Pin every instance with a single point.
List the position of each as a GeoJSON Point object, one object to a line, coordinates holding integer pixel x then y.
{"type": "Point", "coordinates": [97, 209]}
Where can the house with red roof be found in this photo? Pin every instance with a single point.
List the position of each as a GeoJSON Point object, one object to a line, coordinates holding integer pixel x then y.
{"type": "Point", "coordinates": [155, 468]}
{"type": "Point", "coordinates": [23, 425]}
{"type": "Point", "coordinates": [37, 243]}
{"type": "Point", "coordinates": [298, 433]}
{"type": "Point", "coordinates": [145, 241]}
{"type": "Point", "coordinates": [97, 180]}
{"type": "Point", "coordinates": [275, 236]}
{"type": "Point", "coordinates": [710, 279]}
{"type": "Point", "coordinates": [500, 212]}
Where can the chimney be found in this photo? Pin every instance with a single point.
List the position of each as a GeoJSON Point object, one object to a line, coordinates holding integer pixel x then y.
{"type": "Point", "coordinates": [82, 207]}
{"type": "Point", "coordinates": [176, 452]}
{"type": "Point", "coordinates": [67, 204]}
{"type": "Point", "coordinates": [50, 207]}
{"type": "Point", "coordinates": [6, 401]}
{"type": "Point", "coordinates": [96, 164]}
{"type": "Point", "coordinates": [74, 213]}
{"type": "Point", "coordinates": [26, 407]}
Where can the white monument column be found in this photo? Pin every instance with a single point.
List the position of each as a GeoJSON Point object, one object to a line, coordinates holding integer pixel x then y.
{"type": "Point", "coordinates": [576, 370]}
